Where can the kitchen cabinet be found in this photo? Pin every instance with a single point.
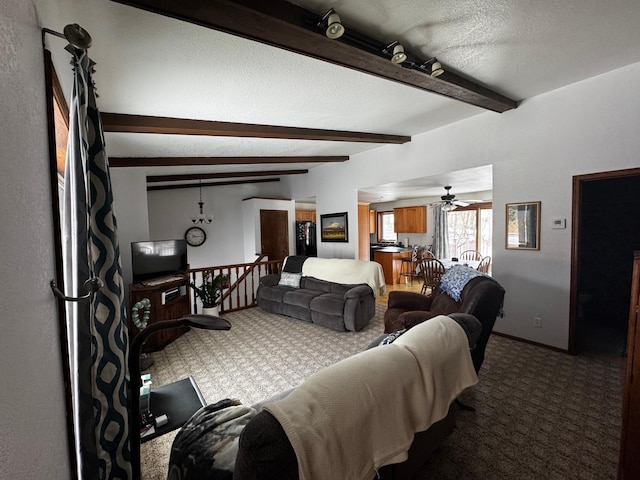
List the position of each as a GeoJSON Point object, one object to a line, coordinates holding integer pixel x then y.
{"type": "Point", "coordinates": [410, 219]}
{"type": "Point", "coordinates": [363, 231]}
{"type": "Point", "coordinates": [305, 216]}
{"type": "Point", "coordinates": [373, 222]}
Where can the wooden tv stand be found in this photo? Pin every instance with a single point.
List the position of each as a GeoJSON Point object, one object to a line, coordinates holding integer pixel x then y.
{"type": "Point", "coordinates": [164, 306]}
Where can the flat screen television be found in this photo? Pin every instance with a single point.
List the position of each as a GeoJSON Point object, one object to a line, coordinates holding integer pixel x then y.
{"type": "Point", "coordinates": [158, 258]}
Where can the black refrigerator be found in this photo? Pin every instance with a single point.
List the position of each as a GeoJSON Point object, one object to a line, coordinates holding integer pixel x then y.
{"type": "Point", "coordinates": [306, 239]}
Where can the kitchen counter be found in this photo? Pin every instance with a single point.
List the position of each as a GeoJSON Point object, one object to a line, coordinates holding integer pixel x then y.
{"type": "Point", "coordinates": [391, 260]}
{"type": "Point", "coordinates": [393, 249]}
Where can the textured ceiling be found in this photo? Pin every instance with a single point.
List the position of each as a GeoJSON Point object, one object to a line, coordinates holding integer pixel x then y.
{"type": "Point", "coordinates": [148, 64]}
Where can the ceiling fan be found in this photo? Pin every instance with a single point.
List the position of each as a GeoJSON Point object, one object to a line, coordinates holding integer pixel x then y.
{"type": "Point", "coordinates": [449, 202]}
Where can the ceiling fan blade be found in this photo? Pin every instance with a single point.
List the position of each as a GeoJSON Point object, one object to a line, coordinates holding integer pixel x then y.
{"type": "Point", "coordinates": [460, 203]}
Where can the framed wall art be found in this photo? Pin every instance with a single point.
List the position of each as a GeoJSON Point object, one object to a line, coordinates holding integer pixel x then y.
{"type": "Point", "coordinates": [523, 226]}
{"type": "Point", "coordinates": [334, 227]}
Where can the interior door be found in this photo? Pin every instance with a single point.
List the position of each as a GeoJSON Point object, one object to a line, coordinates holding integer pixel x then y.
{"type": "Point", "coordinates": [274, 233]}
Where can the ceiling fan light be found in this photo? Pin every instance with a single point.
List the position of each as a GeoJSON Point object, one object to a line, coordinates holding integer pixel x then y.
{"type": "Point", "coordinates": [436, 69]}
{"type": "Point", "coordinates": [398, 54]}
{"type": "Point", "coordinates": [448, 207]}
{"type": "Point", "coordinates": [334, 27]}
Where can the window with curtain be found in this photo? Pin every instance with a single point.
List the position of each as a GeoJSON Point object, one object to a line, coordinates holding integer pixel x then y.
{"type": "Point", "coordinates": [470, 228]}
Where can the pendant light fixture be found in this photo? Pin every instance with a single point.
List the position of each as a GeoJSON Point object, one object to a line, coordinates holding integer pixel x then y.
{"type": "Point", "coordinates": [201, 218]}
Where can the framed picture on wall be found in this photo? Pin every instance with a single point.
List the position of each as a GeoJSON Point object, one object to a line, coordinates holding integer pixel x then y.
{"type": "Point", "coordinates": [334, 227]}
{"type": "Point", "coordinates": [523, 226]}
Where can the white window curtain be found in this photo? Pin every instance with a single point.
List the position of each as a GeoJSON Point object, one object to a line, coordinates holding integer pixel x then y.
{"type": "Point", "coordinates": [440, 236]}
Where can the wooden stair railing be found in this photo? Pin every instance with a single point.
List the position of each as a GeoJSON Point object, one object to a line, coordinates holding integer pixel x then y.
{"type": "Point", "coordinates": [244, 280]}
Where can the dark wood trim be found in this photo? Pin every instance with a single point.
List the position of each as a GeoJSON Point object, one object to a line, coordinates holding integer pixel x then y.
{"type": "Point", "coordinates": [283, 25]}
{"type": "Point", "coordinates": [530, 342]}
{"type": "Point", "coordinates": [266, 198]}
{"type": "Point", "coordinates": [58, 94]}
{"type": "Point", "coordinates": [180, 161]}
{"type": "Point", "coordinates": [629, 463]}
{"type": "Point", "coordinates": [203, 176]}
{"type": "Point", "coordinates": [576, 203]}
{"type": "Point", "coordinates": [53, 90]}
{"type": "Point", "coordinates": [216, 184]}
{"type": "Point", "coordinates": [475, 206]}
{"type": "Point", "coordinates": [120, 122]}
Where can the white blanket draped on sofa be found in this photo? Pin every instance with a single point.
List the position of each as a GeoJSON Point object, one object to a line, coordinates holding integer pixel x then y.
{"type": "Point", "coordinates": [360, 414]}
{"type": "Point", "coordinates": [348, 271]}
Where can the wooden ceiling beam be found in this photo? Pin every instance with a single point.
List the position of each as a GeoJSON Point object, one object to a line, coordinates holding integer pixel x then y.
{"type": "Point", "coordinates": [284, 25]}
{"type": "Point", "coordinates": [182, 161]}
{"type": "Point", "coordinates": [120, 122]}
{"type": "Point", "coordinates": [216, 184]}
{"type": "Point", "coordinates": [209, 176]}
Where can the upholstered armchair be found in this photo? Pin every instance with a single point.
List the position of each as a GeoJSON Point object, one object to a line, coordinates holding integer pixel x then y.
{"type": "Point", "coordinates": [481, 297]}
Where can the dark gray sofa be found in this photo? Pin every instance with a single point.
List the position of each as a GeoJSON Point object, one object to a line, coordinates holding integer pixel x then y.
{"type": "Point", "coordinates": [333, 305]}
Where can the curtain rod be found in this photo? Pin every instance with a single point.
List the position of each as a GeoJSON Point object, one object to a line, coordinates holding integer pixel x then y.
{"type": "Point", "coordinates": [73, 33]}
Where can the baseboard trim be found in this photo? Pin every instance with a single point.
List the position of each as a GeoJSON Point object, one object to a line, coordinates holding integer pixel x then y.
{"type": "Point", "coordinates": [531, 342]}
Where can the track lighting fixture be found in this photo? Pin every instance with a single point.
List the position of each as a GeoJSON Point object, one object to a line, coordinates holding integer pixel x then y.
{"type": "Point", "coordinates": [436, 67]}
{"type": "Point", "coordinates": [330, 25]}
{"type": "Point", "coordinates": [398, 54]}
{"type": "Point", "coordinates": [334, 29]}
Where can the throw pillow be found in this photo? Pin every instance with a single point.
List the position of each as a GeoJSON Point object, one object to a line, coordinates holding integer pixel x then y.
{"type": "Point", "coordinates": [290, 279]}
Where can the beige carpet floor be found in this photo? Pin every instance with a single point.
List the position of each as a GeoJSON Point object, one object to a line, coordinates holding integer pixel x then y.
{"type": "Point", "coordinates": [539, 414]}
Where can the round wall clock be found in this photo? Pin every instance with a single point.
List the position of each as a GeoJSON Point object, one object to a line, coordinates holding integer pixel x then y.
{"type": "Point", "coordinates": [195, 236]}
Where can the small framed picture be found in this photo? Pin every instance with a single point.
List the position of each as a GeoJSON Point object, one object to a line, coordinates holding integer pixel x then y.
{"type": "Point", "coordinates": [523, 226]}
{"type": "Point", "coordinates": [334, 227]}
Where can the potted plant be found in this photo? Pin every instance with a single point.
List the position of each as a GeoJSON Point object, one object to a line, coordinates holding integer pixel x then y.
{"type": "Point", "coordinates": [210, 291]}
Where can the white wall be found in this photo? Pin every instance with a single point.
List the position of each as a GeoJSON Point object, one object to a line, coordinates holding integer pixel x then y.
{"type": "Point", "coordinates": [170, 212]}
{"type": "Point", "coordinates": [535, 150]}
{"type": "Point", "coordinates": [342, 199]}
{"type": "Point", "coordinates": [131, 212]}
{"type": "Point", "coordinates": [33, 442]}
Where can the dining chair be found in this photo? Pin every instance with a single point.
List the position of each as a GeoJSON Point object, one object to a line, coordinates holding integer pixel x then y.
{"type": "Point", "coordinates": [484, 265]}
{"type": "Point", "coordinates": [431, 270]}
{"type": "Point", "coordinates": [426, 255]}
{"type": "Point", "coordinates": [470, 255]}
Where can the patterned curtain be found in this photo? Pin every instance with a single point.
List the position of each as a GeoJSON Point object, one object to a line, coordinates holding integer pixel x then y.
{"type": "Point", "coordinates": [441, 235]}
{"type": "Point", "coordinates": [98, 333]}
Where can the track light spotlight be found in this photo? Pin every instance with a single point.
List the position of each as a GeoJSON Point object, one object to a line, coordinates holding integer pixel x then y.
{"type": "Point", "coordinates": [334, 27]}
{"type": "Point", "coordinates": [398, 54]}
{"type": "Point", "coordinates": [436, 69]}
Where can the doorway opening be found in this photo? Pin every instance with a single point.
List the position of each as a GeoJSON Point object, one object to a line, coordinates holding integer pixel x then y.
{"type": "Point", "coordinates": [606, 231]}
